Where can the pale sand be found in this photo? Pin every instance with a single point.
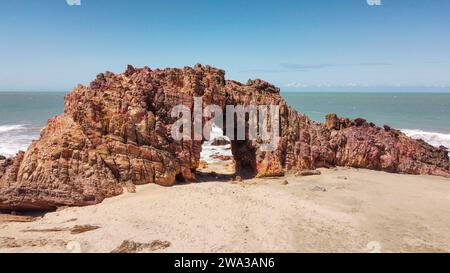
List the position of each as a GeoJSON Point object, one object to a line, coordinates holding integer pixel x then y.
{"type": "Point", "coordinates": [398, 213]}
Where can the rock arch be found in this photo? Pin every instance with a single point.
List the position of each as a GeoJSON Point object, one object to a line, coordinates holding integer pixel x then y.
{"type": "Point", "coordinates": [116, 132]}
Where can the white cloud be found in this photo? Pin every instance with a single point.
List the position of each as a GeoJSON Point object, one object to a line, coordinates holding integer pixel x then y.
{"type": "Point", "coordinates": [354, 85]}
{"type": "Point", "coordinates": [297, 85]}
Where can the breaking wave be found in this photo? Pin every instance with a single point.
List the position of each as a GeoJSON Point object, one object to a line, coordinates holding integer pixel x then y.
{"type": "Point", "coordinates": [15, 138]}
{"type": "Point", "coordinates": [434, 138]}
{"type": "Point", "coordinates": [209, 151]}
{"type": "Point", "coordinates": [7, 128]}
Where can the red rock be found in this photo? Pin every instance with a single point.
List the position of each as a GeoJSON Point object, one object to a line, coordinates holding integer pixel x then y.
{"type": "Point", "coordinates": [116, 131]}
{"type": "Point", "coordinates": [308, 173]}
{"type": "Point", "coordinates": [220, 142]}
{"type": "Point", "coordinates": [222, 157]}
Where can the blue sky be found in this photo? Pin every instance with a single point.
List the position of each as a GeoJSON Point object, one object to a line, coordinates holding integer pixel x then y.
{"type": "Point", "coordinates": [47, 45]}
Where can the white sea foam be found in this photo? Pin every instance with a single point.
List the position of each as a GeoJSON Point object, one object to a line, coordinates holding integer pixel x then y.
{"type": "Point", "coordinates": [8, 128]}
{"type": "Point", "coordinates": [434, 138]}
{"type": "Point", "coordinates": [15, 138]}
{"type": "Point", "coordinates": [208, 150]}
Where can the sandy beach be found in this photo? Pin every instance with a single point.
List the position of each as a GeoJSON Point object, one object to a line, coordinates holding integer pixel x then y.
{"type": "Point", "coordinates": [343, 210]}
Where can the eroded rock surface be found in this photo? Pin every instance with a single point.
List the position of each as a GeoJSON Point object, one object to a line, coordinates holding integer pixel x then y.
{"type": "Point", "coordinates": [134, 247]}
{"type": "Point", "coordinates": [117, 131]}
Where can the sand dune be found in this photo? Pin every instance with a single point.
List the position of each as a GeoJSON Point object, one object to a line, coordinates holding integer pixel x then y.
{"type": "Point", "coordinates": [343, 210]}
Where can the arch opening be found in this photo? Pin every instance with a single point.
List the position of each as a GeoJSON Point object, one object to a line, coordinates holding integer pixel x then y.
{"type": "Point", "coordinates": [216, 157]}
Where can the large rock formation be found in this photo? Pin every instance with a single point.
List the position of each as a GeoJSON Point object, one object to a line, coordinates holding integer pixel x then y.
{"type": "Point", "coordinates": [117, 132]}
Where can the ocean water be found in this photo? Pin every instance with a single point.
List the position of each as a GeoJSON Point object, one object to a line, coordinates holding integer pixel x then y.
{"type": "Point", "coordinates": [425, 116]}
{"type": "Point", "coordinates": [208, 150]}
{"type": "Point", "coordinates": [419, 115]}
{"type": "Point", "coordinates": [22, 116]}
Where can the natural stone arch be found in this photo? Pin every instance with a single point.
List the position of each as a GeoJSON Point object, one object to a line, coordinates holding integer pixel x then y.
{"type": "Point", "coordinates": [116, 133]}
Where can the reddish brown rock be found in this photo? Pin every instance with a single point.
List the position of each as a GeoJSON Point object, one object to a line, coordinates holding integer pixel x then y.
{"type": "Point", "coordinates": [308, 173]}
{"type": "Point", "coordinates": [220, 142]}
{"type": "Point", "coordinates": [222, 157]}
{"type": "Point", "coordinates": [117, 131]}
{"type": "Point", "coordinates": [133, 247]}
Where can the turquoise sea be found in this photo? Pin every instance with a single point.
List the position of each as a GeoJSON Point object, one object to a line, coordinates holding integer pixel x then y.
{"type": "Point", "coordinates": [22, 116]}
{"type": "Point", "coordinates": [429, 112]}
{"type": "Point", "coordinates": [420, 115]}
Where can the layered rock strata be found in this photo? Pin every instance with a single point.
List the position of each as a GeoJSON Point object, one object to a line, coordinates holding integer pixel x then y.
{"type": "Point", "coordinates": [117, 131]}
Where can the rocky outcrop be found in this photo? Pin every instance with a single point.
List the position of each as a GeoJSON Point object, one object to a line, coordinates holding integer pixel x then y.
{"type": "Point", "coordinates": [358, 143]}
{"type": "Point", "coordinates": [3, 164]}
{"type": "Point", "coordinates": [117, 131]}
